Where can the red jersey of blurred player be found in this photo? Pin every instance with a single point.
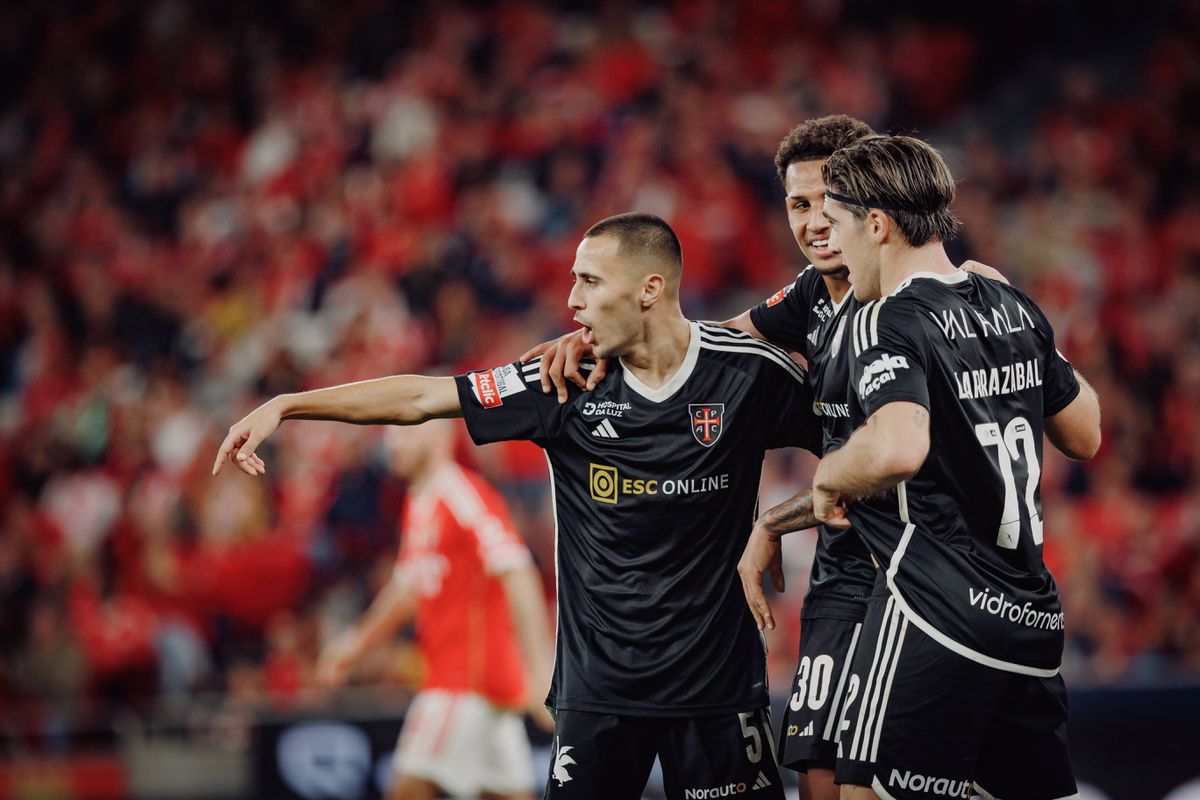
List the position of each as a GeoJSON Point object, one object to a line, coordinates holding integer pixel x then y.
{"type": "Point", "coordinates": [467, 579]}
{"type": "Point", "coordinates": [457, 539]}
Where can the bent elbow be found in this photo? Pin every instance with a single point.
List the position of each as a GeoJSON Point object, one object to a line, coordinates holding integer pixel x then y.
{"type": "Point", "coordinates": [1084, 447]}
{"type": "Point", "coordinates": [903, 462]}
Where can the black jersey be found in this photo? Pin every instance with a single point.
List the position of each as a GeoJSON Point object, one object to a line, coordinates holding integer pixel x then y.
{"type": "Point", "coordinates": [961, 541]}
{"type": "Point", "coordinates": [803, 317]}
{"type": "Point", "coordinates": [654, 498]}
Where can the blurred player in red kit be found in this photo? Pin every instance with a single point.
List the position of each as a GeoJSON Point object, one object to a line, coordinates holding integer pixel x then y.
{"type": "Point", "coordinates": [467, 580]}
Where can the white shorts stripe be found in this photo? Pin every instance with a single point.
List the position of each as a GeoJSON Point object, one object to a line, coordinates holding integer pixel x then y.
{"type": "Point", "coordinates": [839, 694]}
{"type": "Point", "coordinates": [887, 690]}
{"type": "Point", "coordinates": [887, 667]}
{"type": "Point", "coordinates": [858, 727]}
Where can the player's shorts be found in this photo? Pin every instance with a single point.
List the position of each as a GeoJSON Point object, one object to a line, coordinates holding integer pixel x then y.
{"type": "Point", "coordinates": [608, 757]}
{"type": "Point", "coordinates": [464, 744]}
{"type": "Point", "coordinates": [808, 738]}
{"type": "Point", "coordinates": [927, 722]}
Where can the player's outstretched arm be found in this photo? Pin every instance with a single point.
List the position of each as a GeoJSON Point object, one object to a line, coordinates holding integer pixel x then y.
{"type": "Point", "coordinates": [560, 363]}
{"type": "Point", "coordinates": [763, 553]}
{"type": "Point", "coordinates": [890, 447]}
{"type": "Point", "coordinates": [396, 400]}
{"type": "Point", "coordinates": [1075, 431]}
{"type": "Point", "coordinates": [527, 607]}
{"type": "Point", "coordinates": [392, 607]}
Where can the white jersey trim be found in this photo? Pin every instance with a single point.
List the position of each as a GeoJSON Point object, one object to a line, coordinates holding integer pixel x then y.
{"type": "Point", "coordinates": [532, 371]}
{"type": "Point", "coordinates": [933, 633]}
{"type": "Point", "coordinates": [949, 278]}
{"type": "Point", "coordinates": [677, 380]}
{"type": "Point", "coordinates": [557, 572]}
{"type": "Point", "coordinates": [728, 341]}
{"type": "Point", "coordinates": [879, 790]}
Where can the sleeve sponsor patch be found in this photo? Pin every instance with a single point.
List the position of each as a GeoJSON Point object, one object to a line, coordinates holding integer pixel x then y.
{"type": "Point", "coordinates": [491, 386]}
{"type": "Point", "coordinates": [778, 296]}
{"type": "Point", "coordinates": [880, 371]}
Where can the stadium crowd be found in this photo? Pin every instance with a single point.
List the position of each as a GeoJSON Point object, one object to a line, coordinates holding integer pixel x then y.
{"type": "Point", "coordinates": [203, 208]}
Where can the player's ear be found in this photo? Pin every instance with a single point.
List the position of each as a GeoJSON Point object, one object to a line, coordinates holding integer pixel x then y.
{"type": "Point", "coordinates": [653, 287]}
{"type": "Point", "coordinates": [878, 225]}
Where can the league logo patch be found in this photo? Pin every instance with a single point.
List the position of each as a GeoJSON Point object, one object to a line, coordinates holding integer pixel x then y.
{"type": "Point", "coordinates": [706, 422]}
{"type": "Point", "coordinates": [778, 296]}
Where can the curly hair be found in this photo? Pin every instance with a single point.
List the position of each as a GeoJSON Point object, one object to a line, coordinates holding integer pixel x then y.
{"type": "Point", "coordinates": [818, 138]}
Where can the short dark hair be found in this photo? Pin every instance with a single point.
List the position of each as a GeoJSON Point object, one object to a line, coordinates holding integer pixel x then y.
{"type": "Point", "coordinates": [817, 139]}
{"type": "Point", "coordinates": [642, 236]}
{"type": "Point", "coordinates": [900, 175]}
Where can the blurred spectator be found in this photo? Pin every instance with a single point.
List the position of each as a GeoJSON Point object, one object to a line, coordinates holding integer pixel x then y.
{"type": "Point", "coordinates": [201, 209]}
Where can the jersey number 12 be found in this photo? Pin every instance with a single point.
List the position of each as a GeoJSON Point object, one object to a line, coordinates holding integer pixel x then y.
{"type": "Point", "coordinates": [1016, 437]}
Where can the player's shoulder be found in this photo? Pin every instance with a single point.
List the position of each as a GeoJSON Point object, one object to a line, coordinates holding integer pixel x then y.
{"type": "Point", "coordinates": [884, 319]}
{"type": "Point", "coordinates": [743, 349]}
{"type": "Point", "coordinates": [466, 493]}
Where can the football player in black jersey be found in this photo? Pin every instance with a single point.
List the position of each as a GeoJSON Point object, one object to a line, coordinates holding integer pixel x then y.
{"type": "Point", "coordinates": [810, 317]}
{"type": "Point", "coordinates": [954, 381]}
{"type": "Point", "coordinates": [655, 479]}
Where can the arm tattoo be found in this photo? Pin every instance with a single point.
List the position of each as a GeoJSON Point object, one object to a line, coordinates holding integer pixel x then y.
{"type": "Point", "coordinates": [794, 514]}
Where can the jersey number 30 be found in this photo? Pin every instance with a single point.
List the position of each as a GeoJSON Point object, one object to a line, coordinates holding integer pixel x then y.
{"type": "Point", "coordinates": [1016, 437]}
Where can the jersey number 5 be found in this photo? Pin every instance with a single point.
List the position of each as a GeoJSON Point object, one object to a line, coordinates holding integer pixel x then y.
{"type": "Point", "coordinates": [1017, 437]}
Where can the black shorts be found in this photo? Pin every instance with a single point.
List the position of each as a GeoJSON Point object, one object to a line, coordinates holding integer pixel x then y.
{"type": "Point", "coordinates": [927, 722]}
{"type": "Point", "coordinates": [809, 736]}
{"type": "Point", "coordinates": [609, 756]}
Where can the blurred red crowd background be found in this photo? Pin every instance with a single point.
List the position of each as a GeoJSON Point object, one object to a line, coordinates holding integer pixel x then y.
{"type": "Point", "coordinates": [203, 206]}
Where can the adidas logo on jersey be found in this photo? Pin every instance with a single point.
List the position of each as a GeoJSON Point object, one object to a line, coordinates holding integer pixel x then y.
{"type": "Point", "coordinates": [763, 782]}
{"type": "Point", "coordinates": [605, 430]}
{"type": "Point", "coordinates": [794, 730]}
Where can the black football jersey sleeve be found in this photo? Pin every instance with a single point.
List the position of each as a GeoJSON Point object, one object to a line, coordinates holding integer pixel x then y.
{"type": "Point", "coordinates": [783, 317]}
{"type": "Point", "coordinates": [507, 403]}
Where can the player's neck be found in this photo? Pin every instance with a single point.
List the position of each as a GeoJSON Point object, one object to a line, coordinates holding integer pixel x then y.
{"type": "Point", "coordinates": [662, 350]}
{"type": "Point", "coordinates": [899, 262]}
{"type": "Point", "coordinates": [837, 286]}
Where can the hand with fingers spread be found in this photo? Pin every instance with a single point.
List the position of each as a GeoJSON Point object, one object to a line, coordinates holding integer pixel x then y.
{"type": "Point", "coordinates": [560, 363]}
{"type": "Point", "coordinates": [763, 554]}
{"type": "Point", "coordinates": [245, 436]}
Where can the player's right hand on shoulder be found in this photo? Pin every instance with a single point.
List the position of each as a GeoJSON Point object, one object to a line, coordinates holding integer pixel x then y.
{"type": "Point", "coordinates": [560, 363]}
{"type": "Point", "coordinates": [245, 436]}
